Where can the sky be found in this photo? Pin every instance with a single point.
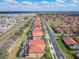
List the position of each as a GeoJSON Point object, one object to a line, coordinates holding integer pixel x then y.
{"type": "Point", "coordinates": [39, 5]}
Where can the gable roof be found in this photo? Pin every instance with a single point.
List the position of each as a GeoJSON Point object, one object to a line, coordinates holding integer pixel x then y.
{"type": "Point", "coordinates": [69, 41]}
{"type": "Point", "coordinates": [37, 31]}
{"type": "Point", "coordinates": [36, 46]}
{"type": "Point", "coordinates": [37, 22]}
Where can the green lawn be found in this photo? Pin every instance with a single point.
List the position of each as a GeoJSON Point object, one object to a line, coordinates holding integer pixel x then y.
{"type": "Point", "coordinates": [68, 53]}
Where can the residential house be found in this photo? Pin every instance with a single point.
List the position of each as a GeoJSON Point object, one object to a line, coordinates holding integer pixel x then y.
{"type": "Point", "coordinates": [37, 33]}
{"type": "Point", "coordinates": [72, 44]}
{"type": "Point", "coordinates": [36, 48]}
{"type": "Point", "coordinates": [37, 22]}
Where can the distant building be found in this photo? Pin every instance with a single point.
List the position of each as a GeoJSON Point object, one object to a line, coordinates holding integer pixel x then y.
{"type": "Point", "coordinates": [59, 30]}
{"type": "Point", "coordinates": [72, 44]}
{"type": "Point", "coordinates": [36, 48]}
{"type": "Point", "coordinates": [37, 22]}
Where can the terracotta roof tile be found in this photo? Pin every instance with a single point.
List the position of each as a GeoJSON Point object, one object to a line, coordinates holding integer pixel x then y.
{"type": "Point", "coordinates": [36, 46]}
{"type": "Point", "coordinates": [69, 41]}
{"type": "Point", "coordinates": [37, 32]}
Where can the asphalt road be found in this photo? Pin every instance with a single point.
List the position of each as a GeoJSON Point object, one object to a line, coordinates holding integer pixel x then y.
{"type": "Point", "coordinates": [58, 52]}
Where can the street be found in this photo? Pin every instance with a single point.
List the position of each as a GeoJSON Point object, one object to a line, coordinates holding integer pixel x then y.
{"type": "Point", "coordinates": [53, 39]}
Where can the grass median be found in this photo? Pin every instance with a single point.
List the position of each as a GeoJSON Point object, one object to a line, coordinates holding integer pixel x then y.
{"type": "Point", "coordinates": [68, 53]}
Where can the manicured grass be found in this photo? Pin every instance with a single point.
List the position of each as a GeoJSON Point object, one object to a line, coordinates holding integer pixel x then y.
{"type": "Point", "coordinates": [68, 53]}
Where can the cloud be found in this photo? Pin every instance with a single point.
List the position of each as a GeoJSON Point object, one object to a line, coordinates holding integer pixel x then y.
{"type": "Point", "coordinates": [76, 2]}
{"type": "Point", "coordinates": [56, 3]}
{"type": "Point", "coordinates": [59, 0]}
{"type": "Point", "coordinates": [10, 0]}
{"type": "Point", "coordinates": [45, 2]}
{"type": "Point", "coordinates": [25, 2]}
{"type": "Point", "coordinates": [43, 5]}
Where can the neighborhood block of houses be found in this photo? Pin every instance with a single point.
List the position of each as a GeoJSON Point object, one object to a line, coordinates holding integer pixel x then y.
{"type": "Point", "coordinates": [36, 45]}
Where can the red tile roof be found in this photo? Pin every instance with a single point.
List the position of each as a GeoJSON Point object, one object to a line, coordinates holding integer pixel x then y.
{"type": "Point", "coordinates": [36, 46]}
{"type": "Point", "coordinates": [37, 32]}
{"type": "Point", "coordinates": [58, 29]}
{"type": "Point", "coordinates": [38, 28]}
{"type": "Point", "coordinates": [37, 22]}
{"type": "Point", "coordinates": [69, 41]}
